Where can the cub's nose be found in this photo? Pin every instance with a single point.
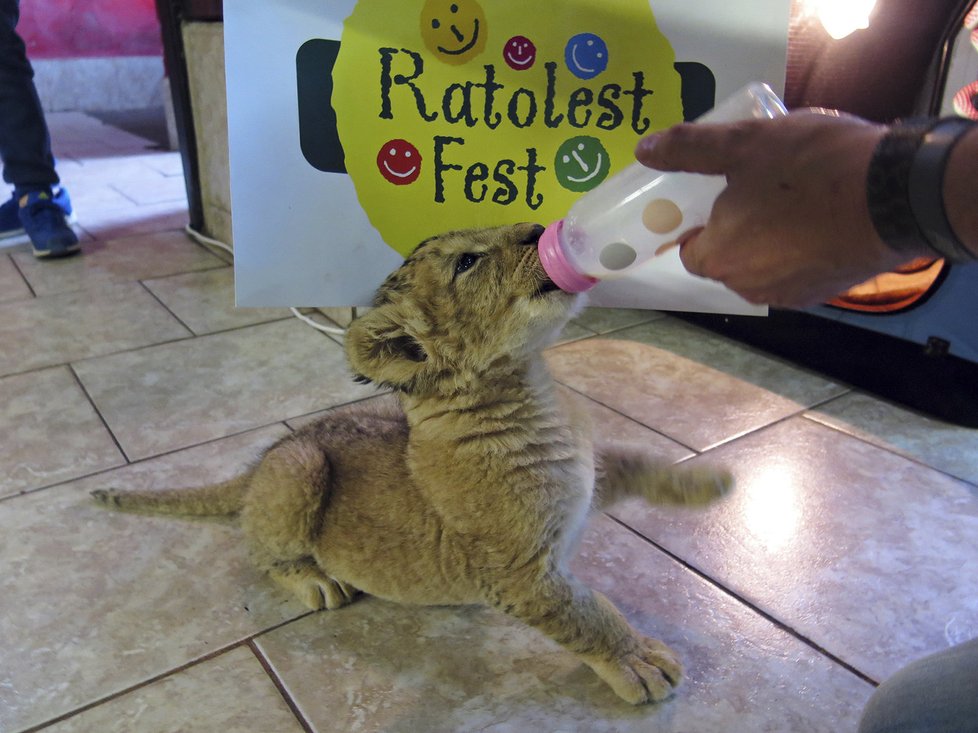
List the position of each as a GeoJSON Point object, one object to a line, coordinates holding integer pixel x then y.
{"type": "Point", "coordinates": [532, 236]}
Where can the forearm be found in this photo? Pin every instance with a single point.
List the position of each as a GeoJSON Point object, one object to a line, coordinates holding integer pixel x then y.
{"type": "Point", "coordinates": [960, 186]}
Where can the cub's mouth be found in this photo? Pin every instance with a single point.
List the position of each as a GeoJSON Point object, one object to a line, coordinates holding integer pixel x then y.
{"type": "Point", "coordinates": [546, 286]}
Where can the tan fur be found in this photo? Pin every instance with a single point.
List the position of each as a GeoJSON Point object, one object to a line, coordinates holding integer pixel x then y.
{"type": "Point", "coordinates": [476, 488]}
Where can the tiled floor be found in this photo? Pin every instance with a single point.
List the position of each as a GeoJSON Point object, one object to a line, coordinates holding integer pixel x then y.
{"type": "Point", "coordinates": [847, 550]}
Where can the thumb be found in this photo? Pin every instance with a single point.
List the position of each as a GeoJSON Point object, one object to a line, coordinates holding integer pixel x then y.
{"type": "Point", "coordinates": [699, 148]}
{"type": "Point", "coordinates": [690, 251]}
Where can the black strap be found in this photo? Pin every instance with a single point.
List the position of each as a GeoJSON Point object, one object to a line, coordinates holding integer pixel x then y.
{"type": "Point", "coordinates": [905, 187]}
{"type": "Point", "coordinates": [926, 187]}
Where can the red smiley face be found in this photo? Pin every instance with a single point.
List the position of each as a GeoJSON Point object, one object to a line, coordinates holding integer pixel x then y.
{"type": "Point", "coordinates": [520, 53]}
{"type": "Point", "coordinates": [399, 162]}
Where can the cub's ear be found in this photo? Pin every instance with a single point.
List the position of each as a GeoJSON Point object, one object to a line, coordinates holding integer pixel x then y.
{"type": "Point", "coordinates": [381, 350]}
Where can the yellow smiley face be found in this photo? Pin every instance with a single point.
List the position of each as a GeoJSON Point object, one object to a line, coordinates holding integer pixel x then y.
{"type": "Point", "coordinates": [454, 30]}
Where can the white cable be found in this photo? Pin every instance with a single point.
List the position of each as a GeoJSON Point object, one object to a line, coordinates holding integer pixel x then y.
{"type": "Point", "coordinates": [318, 326]}
{"type": "Point", "coordinates": [205, 240]}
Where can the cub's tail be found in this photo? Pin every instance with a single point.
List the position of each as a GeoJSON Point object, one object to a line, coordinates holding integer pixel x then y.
{"type": "Point", "coordinates": [213, 500]}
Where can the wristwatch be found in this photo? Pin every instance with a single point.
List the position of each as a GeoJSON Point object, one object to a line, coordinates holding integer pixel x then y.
{"type": "Point", "coordinates": [905, 187]}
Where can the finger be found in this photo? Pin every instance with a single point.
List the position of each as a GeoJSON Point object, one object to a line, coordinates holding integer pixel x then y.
{"type": "Point", "coordinates": [700, 148]}
{"type": "Point", "coordinates": [690, 253]}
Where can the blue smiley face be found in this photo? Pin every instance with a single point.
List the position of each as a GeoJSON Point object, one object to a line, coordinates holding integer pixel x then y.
{"type": "Point", "coordinates": [586, 55]}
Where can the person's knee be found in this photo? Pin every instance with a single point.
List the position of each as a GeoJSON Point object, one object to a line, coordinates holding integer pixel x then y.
{"type": "Point", "coordinates": [937, 694]}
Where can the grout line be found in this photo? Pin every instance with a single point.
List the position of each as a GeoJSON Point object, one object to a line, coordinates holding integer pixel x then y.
{"type": "Point", "coordinates": [165, 307]}
{"type": "Point", "coordinates": [821, 403]}
{"type": "Point", "coordinates": [618, 329]}
{"type": "Point", "coordinates": [138, 686]}
{"type": "Point", "coordinates": [182, 273]}
{"type": "Point", "coordinates": [245, 641]}
{"type": "Point", "coordinates": [138, 461]}
{"type": "Point", "coordinates": [54, 365]}
{"type": "Point", "coordinates": [135, 462]}
{"type": "Point", "coordinates": [280, 686]}
{"type": "Point", "coordinates": [750, 605]}
{"type": "Point", "coordinates": [189, 337]}
{"type": "Point", "coordinates": [22, 276]}
{"type": "Point", "coordinates": [631, 419]}
{"type": "Point", "coordinates": [101, 417]}
{"type": "Point", "coordinates": [892, 450]}
{"type": "Point", "coordinates": [752, 431]}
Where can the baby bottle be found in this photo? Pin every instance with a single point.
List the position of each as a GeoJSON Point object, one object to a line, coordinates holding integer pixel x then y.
{"type": "Point", "coordinates": [639, 212]}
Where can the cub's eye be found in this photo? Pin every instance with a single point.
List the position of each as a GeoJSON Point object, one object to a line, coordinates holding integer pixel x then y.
{"type": "Point", "coordinates": [465, 262]}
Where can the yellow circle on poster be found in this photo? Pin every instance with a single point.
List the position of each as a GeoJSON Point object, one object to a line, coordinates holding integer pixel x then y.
{"type": "Point", "coordinates": [454, 30]}
{"type": "Point", "coordinates": [459, 113]}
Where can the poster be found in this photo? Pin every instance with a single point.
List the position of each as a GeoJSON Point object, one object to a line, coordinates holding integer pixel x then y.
{"type": "Point", "coordinates": [359, 128]}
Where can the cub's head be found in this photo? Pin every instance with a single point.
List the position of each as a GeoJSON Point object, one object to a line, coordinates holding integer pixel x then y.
{"type": "Point", "coordinates": [462, 305]}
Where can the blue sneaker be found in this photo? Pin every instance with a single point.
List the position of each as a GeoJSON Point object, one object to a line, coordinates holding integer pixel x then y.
{"type": "Point", "coordinates": [46, 224]}
{"type": "Point", "coordinates": [10, 225]}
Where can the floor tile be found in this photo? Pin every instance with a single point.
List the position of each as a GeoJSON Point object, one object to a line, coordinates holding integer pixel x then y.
{"type": "Point", "coordinates": [132, 258]}
{"type": "Point", "coordinates": [20, 243]}
{"type": "Point", "coordinates": [168, 397]}
{"type": "Point", "coordinates": [166, 163]}
{"type": "Point", "coordinates": [114, 169]}
{"type": "Point", "coordinates": [88, 192]}
{"type": "Point", "coordinates": [948, 448]}
{"type": "Point", "coordinates": [129, 221]}
{"type": "Point", "coordinates": [49, 432]}
{"type": "Point", "coordinates": [866, 553]}
{"type": "Point", "coordinates": [377, 666]}
{"type": "Point", "coordinates": [204, 301]}
{"type": "Point", "coordinates": [604, 320]}
{"type": "Point", "coordinates": [12, 284]}
{"type": "Point", "coordinates": [690, 385]}
{"type": "Point", "coordinates": [574, 331]}
{"type": "Point", "coordinates": [152, 189]}
{"type": "Point", "coordinates": [614, 428]}
{"type": "Point", "coordinates": [736, 359]}
{"type": "Point", "coordinates": [105, 600]}
{"type": "Point", "coordinates": [230, 693]}
{"type": "Point", "coordinates": [57, 329]}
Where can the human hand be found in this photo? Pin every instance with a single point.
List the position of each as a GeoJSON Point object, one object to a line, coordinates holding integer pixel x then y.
{"type": "Point", "coordinates": [792, 228]}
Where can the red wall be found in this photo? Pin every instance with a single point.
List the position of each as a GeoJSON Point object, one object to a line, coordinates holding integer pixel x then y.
{"type": "Point", "coordinates": [76, 28]}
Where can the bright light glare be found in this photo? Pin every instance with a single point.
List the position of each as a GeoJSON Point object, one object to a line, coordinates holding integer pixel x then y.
{"type": "Point", "coordinates": [841, 17]}
{"type": "Point", "coordinates": [770, 507]}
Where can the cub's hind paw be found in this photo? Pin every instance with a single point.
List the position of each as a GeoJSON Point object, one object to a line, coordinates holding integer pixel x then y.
{"type": "Point", "coordinates": [337, 594]}
{"type": "Point", "coordinates": [313, 587]}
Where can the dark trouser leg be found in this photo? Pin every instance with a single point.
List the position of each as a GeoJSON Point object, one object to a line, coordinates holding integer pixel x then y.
{"type": "Point", "coordinates": [25, 146]}
{"type": "Point", "coordinates": [936, 694]}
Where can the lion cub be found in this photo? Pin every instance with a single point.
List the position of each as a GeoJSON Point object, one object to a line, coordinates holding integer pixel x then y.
{"type": "Point", "coordinates": [476, 489]}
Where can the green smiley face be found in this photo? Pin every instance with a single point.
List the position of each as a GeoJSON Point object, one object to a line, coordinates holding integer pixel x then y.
{"type": "Point", "coordinates": [581, 163]}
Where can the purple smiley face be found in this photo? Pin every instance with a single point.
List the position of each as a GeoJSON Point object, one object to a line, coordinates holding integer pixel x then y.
{"type": "Point", "coordinates": [520, 53]}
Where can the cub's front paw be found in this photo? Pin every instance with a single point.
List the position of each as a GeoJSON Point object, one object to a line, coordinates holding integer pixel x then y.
{"type": "Point", "coordinates": [702, 485]}
{"type": "Point", "coordinates": [648, 672]}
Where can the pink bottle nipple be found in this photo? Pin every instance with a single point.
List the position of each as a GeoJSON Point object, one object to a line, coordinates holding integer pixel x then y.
{"type": "Point", "coordinates": [556, 264]}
